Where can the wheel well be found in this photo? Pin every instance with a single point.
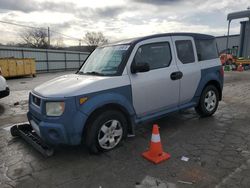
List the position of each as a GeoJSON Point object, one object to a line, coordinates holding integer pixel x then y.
{"type": "Point", "coordinates": [217, 85]}
{"type": "Point", "coordinates": [108, 107]}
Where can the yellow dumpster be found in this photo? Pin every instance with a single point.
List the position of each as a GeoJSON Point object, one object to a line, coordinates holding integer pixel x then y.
{"type": "Point", "coordinates": [12, 67]}
{"type": "Point", "coordinates": [243, 61]}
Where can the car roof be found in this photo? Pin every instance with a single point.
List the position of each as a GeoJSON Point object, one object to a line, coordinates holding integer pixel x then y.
{"type": "Point", "coordinates": [196, 36]}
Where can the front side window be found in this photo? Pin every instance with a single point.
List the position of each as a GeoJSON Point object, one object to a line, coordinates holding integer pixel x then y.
{"type": "Point", "coordinates": [157, 55]}
{"type": "Point", "coordinates": [105, 60]}
{"type": "Point", "coordinates": [206, 49]}
{"type": "Point", "coordinates": [185, 51]}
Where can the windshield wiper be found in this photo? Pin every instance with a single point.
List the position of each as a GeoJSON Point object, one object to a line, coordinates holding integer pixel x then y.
{"type": "Point", "coordinates": [110, 68]}
{"type": "Point", "coordinates": [94, 73]}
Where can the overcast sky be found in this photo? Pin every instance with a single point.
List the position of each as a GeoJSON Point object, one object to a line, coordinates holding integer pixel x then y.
{"type": "Point", "coordinates": [119, 19]}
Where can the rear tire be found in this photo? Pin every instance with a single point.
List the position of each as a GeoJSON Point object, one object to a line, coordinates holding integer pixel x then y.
{"type": "Point", "coordinates": [105, 131]}
{"type": "Point", "coordinates": [209, 101]}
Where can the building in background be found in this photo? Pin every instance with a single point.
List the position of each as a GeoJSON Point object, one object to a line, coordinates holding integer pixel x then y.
{"type": "Point", "coordinates": [239, 45]}
{"type": "Point", "coordinates": [244, 45]}
{"type": "Point", "coordinates": [244, 48]}
{"type": "Point", "coordinates": [234, 43]}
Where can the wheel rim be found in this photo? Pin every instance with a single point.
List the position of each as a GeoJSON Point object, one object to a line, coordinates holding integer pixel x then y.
{"type": "Point", "coordinates": [210, 101]}
{"type": "Point", "coordinates": [110, 134]}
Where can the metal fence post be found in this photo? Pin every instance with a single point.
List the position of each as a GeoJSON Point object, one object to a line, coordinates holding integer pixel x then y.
{"type": "Point", "coordinates": [22, 54]}
{"type": "Point", "coordinates": [47, 59]}
{"type": "Point", "coordinates": [79, 59]}
{"type": "Point", "coordinates": [65, 60]}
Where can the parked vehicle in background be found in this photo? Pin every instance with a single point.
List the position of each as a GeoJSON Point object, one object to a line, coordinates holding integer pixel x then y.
{"type": "Point", "coordinates": [127, 83]}
{"type": "Point", "coordinates": [231, 62]}
{"type": "Point", "coordinates": [4, 89]}
{"type": "Point", "coordinates": [227, 59]}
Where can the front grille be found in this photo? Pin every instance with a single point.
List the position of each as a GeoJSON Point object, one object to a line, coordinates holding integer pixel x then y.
{"type": "Point", "coordinates": [36, 100]}
{"type": "Point", "coordinates": [35, 119]}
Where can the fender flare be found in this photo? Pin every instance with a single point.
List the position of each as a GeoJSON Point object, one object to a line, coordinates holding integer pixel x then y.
{"type": "Point", "coordinates": [209, 77]}
{"type": "Point", "coordinates": [98, 101]}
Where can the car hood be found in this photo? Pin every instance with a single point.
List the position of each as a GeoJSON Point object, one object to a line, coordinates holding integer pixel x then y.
{"type": "Point", "coordinates": [75, 85]}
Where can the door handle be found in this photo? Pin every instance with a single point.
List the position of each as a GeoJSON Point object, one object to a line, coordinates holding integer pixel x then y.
{"type": "Point", "coordinates": [176, 75]}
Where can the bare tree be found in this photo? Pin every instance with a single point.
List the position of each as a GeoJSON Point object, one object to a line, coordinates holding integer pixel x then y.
{"type": "Point", "coordinates": [11, 44]}
{"type": "Point", "coordinates": [58, 43]}
{"type": "Point", "coordinates": [37, 38]}
{"type": "Point", "coordinates": [94, 39]}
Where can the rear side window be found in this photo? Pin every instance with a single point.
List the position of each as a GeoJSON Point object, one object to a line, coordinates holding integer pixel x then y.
{"type": "Point", "coordinates": [185, 51]}
{"type": "Point", "coordinates": [157, 55]}
{"type": "Point", "coordinates": [206, 49]}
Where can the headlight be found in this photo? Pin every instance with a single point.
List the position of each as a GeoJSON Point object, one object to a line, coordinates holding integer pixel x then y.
{"type": "Point", "coordinates": [54, 108]}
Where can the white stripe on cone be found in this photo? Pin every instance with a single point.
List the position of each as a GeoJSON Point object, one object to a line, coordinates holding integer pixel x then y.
{"type": "Point", "coordinates": [155, 138]}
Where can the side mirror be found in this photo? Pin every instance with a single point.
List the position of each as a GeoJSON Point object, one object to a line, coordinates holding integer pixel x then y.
{"type": "Point", "coordinates": [140, 67]}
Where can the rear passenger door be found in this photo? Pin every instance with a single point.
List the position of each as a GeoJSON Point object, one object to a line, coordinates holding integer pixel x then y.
{"type": "Point", "coordinates": [188, 64]}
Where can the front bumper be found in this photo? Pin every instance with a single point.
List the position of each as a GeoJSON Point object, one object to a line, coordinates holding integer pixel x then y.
{"type": "Point", "coordinates": [55, 133]}
{"type": "Point", "coordinates": [66, 129]}
{"type": "Point", "coordinates": [4, 93]}
{"type": "Point", "coordinates": [26, 132]}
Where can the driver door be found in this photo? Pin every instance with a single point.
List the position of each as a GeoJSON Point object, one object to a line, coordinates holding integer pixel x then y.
{"type": "Point", "coordinates": [154, 91]}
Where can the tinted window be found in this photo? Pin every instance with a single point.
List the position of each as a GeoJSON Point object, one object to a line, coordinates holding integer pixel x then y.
{"type": "Point", "coordinates": [157, 55]}
{"type": "Point", "coordinates": [185, 51]}
{"type": "Point", "coordinates": [206, 49]}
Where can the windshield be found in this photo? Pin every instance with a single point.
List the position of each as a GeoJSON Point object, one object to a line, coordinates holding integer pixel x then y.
{"type": "Point", "coordinates": [104, 60]}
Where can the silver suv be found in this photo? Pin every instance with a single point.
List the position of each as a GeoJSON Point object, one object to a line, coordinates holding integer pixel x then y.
{"type": "Point", "coordinates": [127, 83]}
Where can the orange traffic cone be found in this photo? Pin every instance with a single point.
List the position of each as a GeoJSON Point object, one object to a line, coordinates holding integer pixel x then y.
{"type": "Point", "coordinates": [155, 153]}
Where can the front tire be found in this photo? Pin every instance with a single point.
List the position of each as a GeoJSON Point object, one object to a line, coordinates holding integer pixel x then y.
{"type": "Point", "coordinates": [105, 131]}
{"type": "Point", "coordinates": [209, 101]}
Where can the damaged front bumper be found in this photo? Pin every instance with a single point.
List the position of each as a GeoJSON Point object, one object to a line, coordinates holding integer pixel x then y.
{"type": "Point", "coordinates": [26, 131]}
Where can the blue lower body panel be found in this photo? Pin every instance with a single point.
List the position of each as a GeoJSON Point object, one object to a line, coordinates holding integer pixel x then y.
{"type": "Point", "coordinates": [67, 132]}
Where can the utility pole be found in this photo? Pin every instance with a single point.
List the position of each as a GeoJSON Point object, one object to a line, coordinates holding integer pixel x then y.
{"type": "Point", "coordinates": [80, 42]}
{"type": "Point", "coordinates": [48, 37]}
